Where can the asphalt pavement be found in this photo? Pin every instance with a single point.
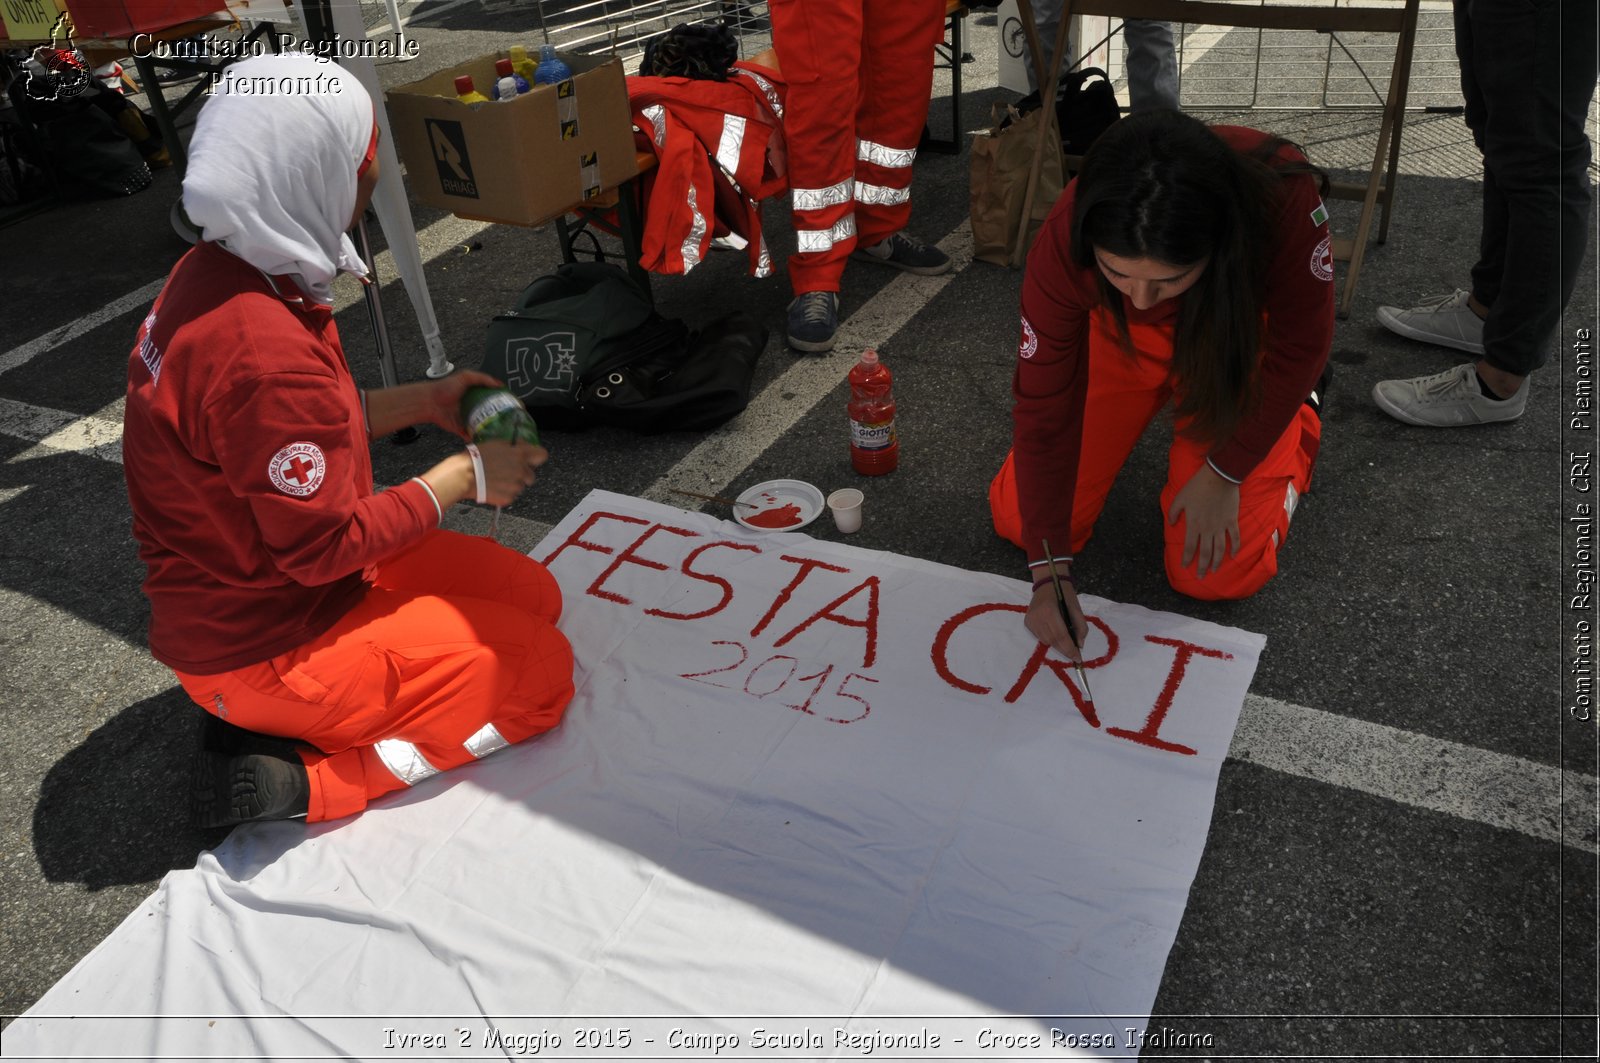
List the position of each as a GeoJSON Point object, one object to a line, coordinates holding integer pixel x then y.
{"type": "Point", "coordinates": [1402, 860]}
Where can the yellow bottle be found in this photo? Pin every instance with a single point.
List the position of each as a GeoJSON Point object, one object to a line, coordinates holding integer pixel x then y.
{"type": "Point", "coordinates": [521, 63]}
{"type": "Point", "coordinates": [465, 91]}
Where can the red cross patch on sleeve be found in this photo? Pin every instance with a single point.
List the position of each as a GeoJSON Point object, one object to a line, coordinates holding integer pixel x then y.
{"type": "Point", "coordinates": [1322, 260]}
{"type": "Point", "coordinates": [1030, 341]}
{"type": "Point", "coordinates": [298, 469]}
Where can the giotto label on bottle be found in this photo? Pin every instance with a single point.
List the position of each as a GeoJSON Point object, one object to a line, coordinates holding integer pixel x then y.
{"type": "Point", "coordinates": [871, 435]}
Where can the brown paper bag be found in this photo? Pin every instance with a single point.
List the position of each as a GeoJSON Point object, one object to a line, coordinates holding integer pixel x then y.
{"type": "Point", "coordinates": [1000, 162]}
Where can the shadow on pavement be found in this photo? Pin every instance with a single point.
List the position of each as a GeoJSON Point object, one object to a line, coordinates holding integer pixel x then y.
{"type": "Point", "coordinates": [115, 810]}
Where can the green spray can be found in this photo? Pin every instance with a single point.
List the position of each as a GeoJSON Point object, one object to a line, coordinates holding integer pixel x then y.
{"type": "Point", "coordinates": [495, 413]}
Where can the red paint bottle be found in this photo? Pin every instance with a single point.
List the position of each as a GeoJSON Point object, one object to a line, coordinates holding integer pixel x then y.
{"type": "Point", "coordinates": [874, 447]}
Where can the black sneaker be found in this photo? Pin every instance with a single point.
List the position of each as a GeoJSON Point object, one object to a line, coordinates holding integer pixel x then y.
{"type": "Point", "coordinates": [243, 789]}
{"type": "Point", "coordinates": [813, 320]}
{"type": "Point", "coordinates": [907, 253]}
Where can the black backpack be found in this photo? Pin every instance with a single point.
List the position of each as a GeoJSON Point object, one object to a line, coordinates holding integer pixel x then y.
{"type": "Point", "coordinates": [86, 149]}
{"type": "Point", "coordinates": [585, 346]}
{"type": "Point", "coordinates": [1086, 105]}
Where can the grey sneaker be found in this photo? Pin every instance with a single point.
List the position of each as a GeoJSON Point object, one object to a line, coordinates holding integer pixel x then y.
{"type": "Point", "coordinates": [1446, 400]}
{"type": "Point", "coordinates": [907, 253]}
{"type": "Point", "coordinates": [813, 319]}
{"type": "Point", "coordinates": [1447, 321]}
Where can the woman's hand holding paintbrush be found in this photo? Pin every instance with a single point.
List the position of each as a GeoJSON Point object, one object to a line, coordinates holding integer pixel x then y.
{"type": "Point", "coordinates": [1045, 622]}
{"type": "Point", "coordinates": [1044, 618]}
{"type": "Point", "coordinates": [1068, 613]}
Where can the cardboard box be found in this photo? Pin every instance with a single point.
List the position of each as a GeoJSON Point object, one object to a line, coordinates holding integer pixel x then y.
{"type": "Point", "coordinates": [121, 19]}
{"type": "Point", "coordinates": [522, 161]}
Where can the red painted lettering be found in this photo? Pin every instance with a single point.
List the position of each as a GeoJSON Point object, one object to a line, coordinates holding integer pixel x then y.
{"type": "Point", "coordinates": [700, 677]}
{"type": "Point", "coordinates": [806, 565]}
{"type": "Point", "coordinates": [941, 642]}
{"type": "Point", "coordinates": [630, 554]}
{"type": "Point", "coordinates": [577, 539]}
{"type": "Point", "coordinates": [868, 623]}
{"type": "Point", "coordinates": [706, 577]}
{"type": "Point", "coordinates": [821, 678]}
{"type": "Point", "coordinates": [843, 693]}
{"type": "Point", "coordinates": [1146, 735]}
{"type": "Point", "coordinates": [762, 682]}
{"type": "Point", "coordinates": [1064, 670]}
{"type": "Point", "coordinates": [794, 666]}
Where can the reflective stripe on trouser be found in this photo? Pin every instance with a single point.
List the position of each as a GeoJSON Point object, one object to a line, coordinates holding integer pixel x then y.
{"type": "Point", "coordinates": [872, 59]}
{"type": "Point", "coordinates": [1125, 394]}
{"type": "Point", "coordinates": [451, 655]}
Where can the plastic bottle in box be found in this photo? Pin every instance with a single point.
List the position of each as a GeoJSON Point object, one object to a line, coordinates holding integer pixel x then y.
{"type": "Point", "coordinates": [466, 93]}
{"type": "Point", "coordinates": [551, 69]}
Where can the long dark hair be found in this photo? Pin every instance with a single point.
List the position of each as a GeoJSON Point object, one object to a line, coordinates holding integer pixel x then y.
{"type": "Point", "coordinates": [1162, 185]}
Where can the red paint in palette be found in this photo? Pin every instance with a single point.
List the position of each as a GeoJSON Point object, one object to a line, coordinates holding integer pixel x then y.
{"type": "Point", "coordinates": [784, 516]}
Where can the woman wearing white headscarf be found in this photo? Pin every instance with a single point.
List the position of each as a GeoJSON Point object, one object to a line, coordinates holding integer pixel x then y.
{"type": "Point", "coordinates": [290, 598]}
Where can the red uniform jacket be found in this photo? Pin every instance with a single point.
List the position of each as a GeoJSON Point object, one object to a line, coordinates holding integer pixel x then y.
{"type": "Point", "coordinates": [1051, 379]}
{"type": "Point", "coordinates": [719, 152]}
{"type": "Point", "coordinates": [245, 450]}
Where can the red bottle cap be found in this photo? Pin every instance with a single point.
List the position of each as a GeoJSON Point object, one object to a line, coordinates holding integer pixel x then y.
{"type": "Point", "coordinates": [502, 67]}
{"type": "Point", "coordinates": [464, 85]}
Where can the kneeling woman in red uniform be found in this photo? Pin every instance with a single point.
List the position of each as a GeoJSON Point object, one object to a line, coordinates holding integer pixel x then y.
{"type": "Point", "coordinates": [343, 645]}
{"type": "Point", "coordinates": [1184, 263]}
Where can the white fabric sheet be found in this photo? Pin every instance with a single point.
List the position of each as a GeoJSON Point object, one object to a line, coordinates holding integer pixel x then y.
{"type": "Point", "coordinates": [744, 815]}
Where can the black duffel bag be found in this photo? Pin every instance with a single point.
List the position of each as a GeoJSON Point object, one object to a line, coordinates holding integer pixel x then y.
{"type": "Point", "coordinates": [585, 346]}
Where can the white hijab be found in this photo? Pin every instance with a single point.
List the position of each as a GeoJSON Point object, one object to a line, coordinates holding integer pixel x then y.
{"type": "Point", "coordinates": [272, 166]}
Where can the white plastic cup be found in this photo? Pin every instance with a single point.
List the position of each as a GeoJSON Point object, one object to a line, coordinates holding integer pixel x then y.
{"type": "Point", "coordinates": [845, 505]}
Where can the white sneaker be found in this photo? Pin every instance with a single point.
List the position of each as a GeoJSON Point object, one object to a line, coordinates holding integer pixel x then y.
{"type": "Point", "coordinates": [1447, 321]}
{"type": "Point", "coordinates": [1446, 400]}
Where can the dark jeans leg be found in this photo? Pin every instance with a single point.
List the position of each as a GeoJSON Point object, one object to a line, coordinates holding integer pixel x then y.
{"type": "Point", "coordinates": [1528, 72]}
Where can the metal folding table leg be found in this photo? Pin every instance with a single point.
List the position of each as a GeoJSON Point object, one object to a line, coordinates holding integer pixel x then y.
{"type": "Point", "coordinates": [631, 223]}
{"type": "Point", "coordinates": [161, 112]}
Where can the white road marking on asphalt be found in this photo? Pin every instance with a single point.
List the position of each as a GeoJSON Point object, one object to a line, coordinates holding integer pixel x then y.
{"type": "Point", "coordinates": [435, 240]}
{"type": "Point", "coordinates": [100, 430]}
{"type": "Point", "coordinates": [435, 12]}
{"type": "Point", "coordinates": [55, 432]}
{"type": "Point", "coordinates": [719, 458]}
{"type": "Point", "coordinates": [1417, 770]}
{"type": "Point", "coordinates": [18, 356]}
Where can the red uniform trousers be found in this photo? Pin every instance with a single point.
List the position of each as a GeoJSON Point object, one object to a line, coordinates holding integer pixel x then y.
{"type": "Point", "coordinates": [1124, 395]}
{"type": "Point", "coordinates": [859, 74]}
{"type": "Point", "coordinates": [451, 655]}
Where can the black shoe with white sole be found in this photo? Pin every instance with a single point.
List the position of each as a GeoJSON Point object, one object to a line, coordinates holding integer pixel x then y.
{"type": "Point", "coordinates": [228, 790]}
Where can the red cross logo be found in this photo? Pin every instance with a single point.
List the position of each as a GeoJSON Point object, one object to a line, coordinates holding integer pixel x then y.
{"type": "Point", "coordinates": [298, 469]}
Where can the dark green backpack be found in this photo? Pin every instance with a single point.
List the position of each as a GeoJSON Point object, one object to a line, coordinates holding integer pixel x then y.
{"type": "Point", "coordinates": [585, 346]}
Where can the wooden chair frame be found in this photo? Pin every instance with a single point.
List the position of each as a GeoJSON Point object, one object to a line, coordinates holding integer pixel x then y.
{"type": "Point", "coordinates": [1398, 18]}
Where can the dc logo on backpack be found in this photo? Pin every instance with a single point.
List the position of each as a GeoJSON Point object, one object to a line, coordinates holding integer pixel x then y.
{"type": "Point", "coordinates": [546, 363]}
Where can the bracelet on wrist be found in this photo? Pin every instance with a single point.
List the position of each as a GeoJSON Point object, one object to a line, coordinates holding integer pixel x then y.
{"type": "Point", "coordinates": [1066, 577]}
{"type": "Point", "coordinates": [479, 481]}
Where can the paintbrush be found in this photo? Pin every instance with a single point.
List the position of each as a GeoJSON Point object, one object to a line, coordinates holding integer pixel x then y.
{"type": "Point", "coordinates": [1066, 617]}
{"type": "Point", "coordinates": [713, 498]}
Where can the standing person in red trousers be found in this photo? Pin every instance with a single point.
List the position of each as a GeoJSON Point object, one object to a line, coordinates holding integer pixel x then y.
{"type": "Point", "coordinates": [342, 644]}
{"type": "Point", "coordinates": [859, 74]}
{"type": "Point", "coordinates": [1184, 264]}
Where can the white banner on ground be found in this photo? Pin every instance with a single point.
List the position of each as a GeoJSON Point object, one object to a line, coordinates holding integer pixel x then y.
{"type": "Point", "coordinates": [811, 801]}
